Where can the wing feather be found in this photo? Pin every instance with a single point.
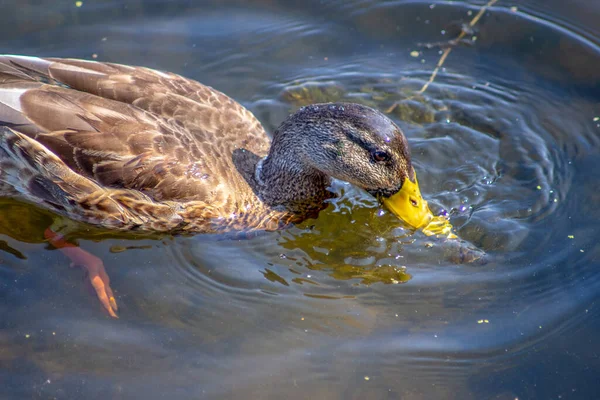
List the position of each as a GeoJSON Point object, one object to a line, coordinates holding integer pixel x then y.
{"type": "Point", "coordinates": [131, 127]}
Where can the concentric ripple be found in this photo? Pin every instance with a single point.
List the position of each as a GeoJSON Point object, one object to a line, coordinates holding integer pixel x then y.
{"type": "Point", "coordinates": [506, 142]}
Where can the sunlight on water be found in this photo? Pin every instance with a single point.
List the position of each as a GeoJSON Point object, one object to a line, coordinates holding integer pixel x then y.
{"type": "Point", "coordinates": [439, 226]}
{"type": "Point", "coordinates": [505, 141]}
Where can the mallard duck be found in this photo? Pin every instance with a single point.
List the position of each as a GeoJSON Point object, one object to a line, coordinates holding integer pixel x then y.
{"type": "Point", "coordinates": [131, 148]}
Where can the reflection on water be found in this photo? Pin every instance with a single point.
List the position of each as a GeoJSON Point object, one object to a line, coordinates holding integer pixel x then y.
{"type": "Point", "coordinates": [352, 304]}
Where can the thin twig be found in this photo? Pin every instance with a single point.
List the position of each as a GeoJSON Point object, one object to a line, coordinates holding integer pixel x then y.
{"type": "Point", "coordinates": [447, 51]}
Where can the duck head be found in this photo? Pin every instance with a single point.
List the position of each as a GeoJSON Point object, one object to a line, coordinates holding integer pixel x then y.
{"type": "Point", "coordinates": [359, 145]}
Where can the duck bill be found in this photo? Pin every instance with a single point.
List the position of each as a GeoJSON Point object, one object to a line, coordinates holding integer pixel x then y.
{"type": "Point", "coordinates": [408, 205]}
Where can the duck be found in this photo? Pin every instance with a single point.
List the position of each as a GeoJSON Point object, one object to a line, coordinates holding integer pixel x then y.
{"type": "Point", "coordinates": [131, 148]}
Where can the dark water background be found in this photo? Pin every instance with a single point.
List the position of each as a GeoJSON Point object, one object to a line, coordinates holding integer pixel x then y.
{"type": "Point", "coordinates": [351, 305]}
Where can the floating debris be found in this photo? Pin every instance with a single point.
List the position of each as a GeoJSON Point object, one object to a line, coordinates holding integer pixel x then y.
{"type": "Point", "coordinates": [414, 53]}
{"type": "Point", "coordinates": [119, 249]}
{"type": "Point", "coordinates": [467, 30]}
{"type": "Point", "coordinates": [571, 237]}
{"type": "Point", "coordinates": [78, 4]}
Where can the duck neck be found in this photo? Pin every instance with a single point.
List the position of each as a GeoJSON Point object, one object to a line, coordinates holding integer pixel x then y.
{"type": "Point", "coordinates": [286, 182]}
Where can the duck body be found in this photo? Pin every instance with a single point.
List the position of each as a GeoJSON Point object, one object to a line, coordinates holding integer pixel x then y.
{"type": "Point", "coordinates": [135, 149]}
{"type": "Point", "coordinates": [131, 148]}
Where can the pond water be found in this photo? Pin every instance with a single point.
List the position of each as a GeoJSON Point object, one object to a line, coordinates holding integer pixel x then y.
{"type": "Point", "coordinates": [350, 305]}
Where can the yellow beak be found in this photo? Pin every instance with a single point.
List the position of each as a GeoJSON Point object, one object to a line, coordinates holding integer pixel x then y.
{"type": "Point", "coordinates": [408, 205]}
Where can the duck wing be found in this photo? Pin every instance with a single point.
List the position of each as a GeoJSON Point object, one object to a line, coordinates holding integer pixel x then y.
{"type": "Point", "coordinates": [131, 127]}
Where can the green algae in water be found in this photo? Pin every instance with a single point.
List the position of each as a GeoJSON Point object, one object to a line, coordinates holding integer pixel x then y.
{"type": "Point", "coordinates": [24, 222]}
{"type": "Point", "coordinates": [415, 112]}
{"type": "Point", "coordinates": [313, 92]}
{"type": "Point", "coordinates": [387, 274]}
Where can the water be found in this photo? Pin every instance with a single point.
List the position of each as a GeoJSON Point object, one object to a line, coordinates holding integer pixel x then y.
{"type": "Point", "coordinates": [350, 305]}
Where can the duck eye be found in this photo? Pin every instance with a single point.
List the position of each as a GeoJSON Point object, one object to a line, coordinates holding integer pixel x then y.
{"type": "Point", "coordinates": [414, 202]}
{"type": "Point", "coordinates": [380, 156]}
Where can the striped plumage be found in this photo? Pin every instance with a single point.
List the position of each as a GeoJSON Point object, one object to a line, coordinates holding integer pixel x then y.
{"type": "Point", "coordinates": [127, 147]}
{"type": "Point", "coordinates": [131, 148]}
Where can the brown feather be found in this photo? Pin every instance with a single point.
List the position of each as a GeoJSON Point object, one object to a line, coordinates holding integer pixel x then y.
{"type": "Point", "coordinates": [134, 148]}
{"type": "Point", "coordinates": [138, 141]}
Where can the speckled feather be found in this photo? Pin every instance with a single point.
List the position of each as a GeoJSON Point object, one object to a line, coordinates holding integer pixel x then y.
{"type": "Point", "coordinates": [127, 147]}
{"type": "Point", "coordinates": [132, 148]}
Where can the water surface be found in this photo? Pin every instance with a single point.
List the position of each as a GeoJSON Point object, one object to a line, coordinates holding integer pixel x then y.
{"type": "Point", "coordinates": [350, 305]}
